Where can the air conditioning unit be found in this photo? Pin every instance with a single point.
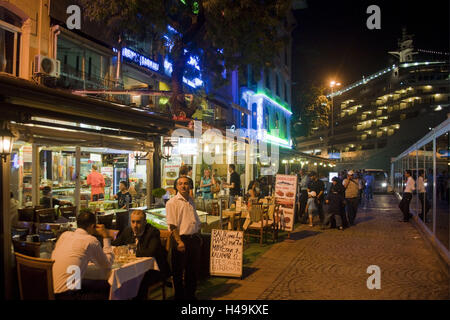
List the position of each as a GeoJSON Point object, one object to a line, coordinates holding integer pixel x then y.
{"type": "Point", "coordinates": [46, 66]}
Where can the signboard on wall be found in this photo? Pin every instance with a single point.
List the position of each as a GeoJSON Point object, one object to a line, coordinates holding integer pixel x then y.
{"type": "Point", "coordinates": [285, 195]}
{"type": "Point", "coordinates": [227, 253]}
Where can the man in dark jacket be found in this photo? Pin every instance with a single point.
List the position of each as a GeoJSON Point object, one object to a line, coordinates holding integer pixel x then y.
{"type": "Point", "coordinates": [148, 244]}
{"type": "Point", "coordinates": [318, 187]}
{"type": "Point", "coordinates": [335, 201]}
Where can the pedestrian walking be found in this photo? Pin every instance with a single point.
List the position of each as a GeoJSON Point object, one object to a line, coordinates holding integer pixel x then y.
{"type": "Point", "coordinates": [335, 201]}
{"type": "Point", "coordinates": [369, 180]}
{"type": "Point", "coordinates": [303, 186]}
{"type": "Point", "coordinates": [407, 196]}
{"type": "Point", "coordinates": [318, 187]}
{"type": "Point", "coordinates": [361, 187]}
{"type": "Point", "coordinates": [311, 207]}
{"type": "Point", "coordinates": [351, 186]}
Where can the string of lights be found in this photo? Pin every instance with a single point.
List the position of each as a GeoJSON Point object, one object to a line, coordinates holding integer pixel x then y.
{"type": "Point", "coordinates": [433, 52]}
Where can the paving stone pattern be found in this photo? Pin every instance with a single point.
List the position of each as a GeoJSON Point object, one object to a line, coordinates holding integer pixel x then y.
{"type": "Point", "coordinates": [332, 264]}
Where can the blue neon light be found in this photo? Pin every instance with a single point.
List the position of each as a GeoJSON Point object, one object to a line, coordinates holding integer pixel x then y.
{"type": "Point", "coordinates": [193, 61]}
{"type": "Point", "coordinates": [139, 59]}
{"type": "Point", "coordinates": [194, 83]}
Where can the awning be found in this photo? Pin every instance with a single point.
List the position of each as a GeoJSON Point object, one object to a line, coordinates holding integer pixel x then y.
{"type": "Point", "coordinates": [20, 100]}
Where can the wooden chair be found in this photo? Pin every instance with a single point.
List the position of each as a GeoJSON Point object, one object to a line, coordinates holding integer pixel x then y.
{"type": "Point", "coordinates": [39, 207]}
{"type": "Point", "coordinates": [35, 278]}
{"type": "Point", "coordinates": [24, 225]}
{"type": "Point", "coordinates": [31, 249]}
{"type": "Point", "coordinates": [106, 220]}
{"type": "Point", "coordinates": [68, 212]}
{"type": "Point", "coordinates": [166, 242]}
{"type": "Point", "coordinates": [215, 208]}
{"type": "Point", "coordinates": [259, 221]}
{"type": "Point", "coordinates": [275, 218]}
{"type": "Point", "coordinates": [27, 214]}
{"type": "Point", "coordinates": [45, 215]}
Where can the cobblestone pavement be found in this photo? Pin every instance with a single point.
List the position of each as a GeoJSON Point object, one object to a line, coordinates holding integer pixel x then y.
{"type": "Point", "coordinates": [332, 264]}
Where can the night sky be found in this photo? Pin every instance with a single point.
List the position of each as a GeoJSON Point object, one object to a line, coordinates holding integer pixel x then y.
{"type": "Point", "coordinates": [333, 41]}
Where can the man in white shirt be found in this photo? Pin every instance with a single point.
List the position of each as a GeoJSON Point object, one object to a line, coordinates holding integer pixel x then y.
{"type": "Point", "coordinates": [407, 196]}
{"type": "Point", "coordinates": [184, 223]}
{"type": "Point", "coordinates": [73, 251]}
{"type": "Point", "coordinates": [351, 186]}
{"type": "Point", "coordinates": [421, 190]}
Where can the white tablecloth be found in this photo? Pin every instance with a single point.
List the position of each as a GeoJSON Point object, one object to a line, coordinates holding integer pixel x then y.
{"type": "Point", "coordinates": [124, 279]}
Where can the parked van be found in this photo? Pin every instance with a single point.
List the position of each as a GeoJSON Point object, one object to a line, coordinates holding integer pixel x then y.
{"type": "Point", "coordinates": [381, 180]}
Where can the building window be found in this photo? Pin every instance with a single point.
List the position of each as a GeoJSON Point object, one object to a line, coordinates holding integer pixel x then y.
{"type": "Point", "coordinates": [277, 121]}
{"type": "Point", "coordinates": [9, 42]}
{"type": "Point", "coordinates": [266, 119]}
{"type": "Point", "coordinates": [89, 68]}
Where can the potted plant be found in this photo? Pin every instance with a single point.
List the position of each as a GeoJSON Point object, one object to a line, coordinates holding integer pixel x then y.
{"type": "Point", "coordinates": [158, 193]}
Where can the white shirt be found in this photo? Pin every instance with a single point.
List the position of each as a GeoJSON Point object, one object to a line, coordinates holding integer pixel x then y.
{"type": "Point", "coordinates": [78, 248]}
{"type": "Point", "coordinates": [410, 185]}
{"type": "Point", "coordinates": [182, 214]}
{"type": "Point", "coordinates": [420, 185]}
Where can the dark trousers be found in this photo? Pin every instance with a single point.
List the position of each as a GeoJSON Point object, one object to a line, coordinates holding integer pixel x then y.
{"type": "Point", "coordinates": [404, 205]}
{"type": "Point", "coordinates": [336, 214]}
{"type": "Point", "coordinates": [369, 193]}
{"type": "Point", "coordinates": [187, 262]}
{"type": "Point", "coordinates": [303, 217]}
{"type": "Point", "coordinates": [425, 206]}
{"type": "Point", "coordinates": [352, 209]}
{"type": "Point", "coordinates": [90, 290]}
{"type": "Point", "coordinates": [320, 209]}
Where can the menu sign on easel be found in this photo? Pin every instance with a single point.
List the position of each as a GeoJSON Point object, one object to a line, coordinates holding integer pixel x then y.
{"type": "Point", "coordinates": [227, 253]}
{"type": "Point", "coordinates": [285, 194]}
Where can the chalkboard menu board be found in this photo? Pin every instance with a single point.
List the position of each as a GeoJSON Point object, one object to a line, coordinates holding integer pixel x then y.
{"type": "Point", "coordinates": [227, 248]}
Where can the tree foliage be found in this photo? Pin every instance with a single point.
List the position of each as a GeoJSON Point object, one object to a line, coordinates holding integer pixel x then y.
{"type": "Point", "coordinates": [313, 112]}
{"type": "Point", "coordinates": [225, 34]}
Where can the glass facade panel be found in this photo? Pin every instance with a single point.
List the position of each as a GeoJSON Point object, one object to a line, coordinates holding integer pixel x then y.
{"type": "Point", "coordinates": [442, 189]}
{"type": "Point", "coordinates": [429, 164]}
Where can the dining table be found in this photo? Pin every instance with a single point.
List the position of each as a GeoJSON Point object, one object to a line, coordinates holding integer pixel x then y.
{"type": "Point", "coordinates": [233, 213]}
{"type": "Point", "coordinates": [124, 277]}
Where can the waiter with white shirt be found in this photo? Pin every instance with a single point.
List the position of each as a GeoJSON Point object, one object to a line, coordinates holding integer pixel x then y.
{"type": "Point", "coordinates": [184, 223]}
{"type": "Point", "coordinates": [407, 196]}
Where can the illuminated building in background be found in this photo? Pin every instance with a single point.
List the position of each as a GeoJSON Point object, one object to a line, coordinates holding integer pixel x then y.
{"type": "Point", "coordinates": [385, 112]}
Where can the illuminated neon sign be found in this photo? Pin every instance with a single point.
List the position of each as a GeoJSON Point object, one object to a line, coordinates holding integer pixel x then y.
{"type": "Point", "coordinates": [139, 59]}
{"type": "Point", "coordinates": [260, 94]}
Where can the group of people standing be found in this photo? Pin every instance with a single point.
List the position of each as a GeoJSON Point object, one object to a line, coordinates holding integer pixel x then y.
{"type": "Point", "coordinates": [342, 199]}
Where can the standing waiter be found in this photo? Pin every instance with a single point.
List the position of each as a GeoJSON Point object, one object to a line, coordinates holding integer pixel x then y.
{"type": "Point", "coordinates": [184, 223]}
{"type": "Point", "coordinates": [407, 196]}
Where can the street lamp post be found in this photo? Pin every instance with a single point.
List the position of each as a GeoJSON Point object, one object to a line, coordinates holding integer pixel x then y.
{"type": "Point", "coordinates": [332, 85]}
